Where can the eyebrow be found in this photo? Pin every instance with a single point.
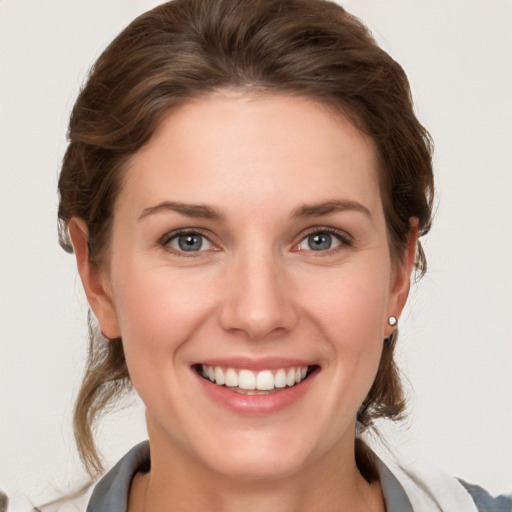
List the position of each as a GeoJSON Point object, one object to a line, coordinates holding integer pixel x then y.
{"type": "Point", "coordinates": [190, 210]}
{"type": "Point", "coordinates": [208, 212]}
{"type": "Point", "coordinates": [328, 207]}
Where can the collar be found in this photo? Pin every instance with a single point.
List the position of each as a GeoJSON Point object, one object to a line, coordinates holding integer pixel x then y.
{"type": "Point", "coordinates": [405, 489]}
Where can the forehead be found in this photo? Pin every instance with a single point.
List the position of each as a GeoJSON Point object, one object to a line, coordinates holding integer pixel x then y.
{"type": "Point", "coordinates": [235, 148]}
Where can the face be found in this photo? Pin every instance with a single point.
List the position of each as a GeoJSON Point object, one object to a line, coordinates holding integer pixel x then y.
{"type": "Point", "coordinates": [250, 278]}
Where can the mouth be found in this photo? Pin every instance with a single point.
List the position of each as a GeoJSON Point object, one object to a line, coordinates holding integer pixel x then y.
{"type": "Point", "coordinates": [248, 382]}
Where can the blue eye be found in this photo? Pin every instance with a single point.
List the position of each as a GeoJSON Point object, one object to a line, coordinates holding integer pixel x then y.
{"type": "Point", "coordinates": [189, 242]}
{"type": "Point", "coordinates": [319, 241]}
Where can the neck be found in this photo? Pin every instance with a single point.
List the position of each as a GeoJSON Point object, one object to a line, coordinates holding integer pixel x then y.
{"type": "Point", "coordinates": [261, 498]}
{"type": "Point", "coordinates": [179, 483]}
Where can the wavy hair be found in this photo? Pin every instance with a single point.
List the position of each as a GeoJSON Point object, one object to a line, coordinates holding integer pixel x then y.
{"type": "Point", "coordinates": [188, 48]}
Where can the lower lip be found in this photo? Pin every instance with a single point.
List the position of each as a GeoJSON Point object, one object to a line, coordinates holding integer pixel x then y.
{"type": "Point", "coordinates": [256, 405]}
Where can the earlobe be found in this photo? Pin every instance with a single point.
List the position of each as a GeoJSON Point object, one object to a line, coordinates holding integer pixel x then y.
{"type": "Point", "coordinates": [402, 276]}
{"type": "Point", "coordinates": [93, 280]}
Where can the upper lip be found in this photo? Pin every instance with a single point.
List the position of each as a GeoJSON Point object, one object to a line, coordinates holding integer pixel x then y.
{"type": "Point", "coordinates": [256, 364]}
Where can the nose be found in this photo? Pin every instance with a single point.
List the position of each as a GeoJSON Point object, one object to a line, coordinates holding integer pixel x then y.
{"type": "Point", "coordinates": [258, 299]}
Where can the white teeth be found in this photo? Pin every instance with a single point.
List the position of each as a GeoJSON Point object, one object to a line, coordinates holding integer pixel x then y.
{"type": "Point", "coordinates": [231, 378]}
{"type": "Point", "coordinates": [219, 376]}
{"type": "Point", "coordinates": [280, 379]}
{"type": "Point", "coordinates": [265, 380]}
{"type": "Point", "coordinates": [246, 380]}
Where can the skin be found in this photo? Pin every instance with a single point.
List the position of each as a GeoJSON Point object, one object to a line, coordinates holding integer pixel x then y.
{"type": "Point", "coordinates": [256, 289]}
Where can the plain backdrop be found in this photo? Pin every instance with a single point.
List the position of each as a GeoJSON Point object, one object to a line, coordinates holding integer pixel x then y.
{"type": "Point", "coordinates": [456, 339]}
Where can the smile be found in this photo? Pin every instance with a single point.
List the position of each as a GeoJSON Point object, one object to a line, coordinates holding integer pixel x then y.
{"type": "Point", "coordinates": [255, 388]}
{"type": "Point", "coordinates": [251, 382]}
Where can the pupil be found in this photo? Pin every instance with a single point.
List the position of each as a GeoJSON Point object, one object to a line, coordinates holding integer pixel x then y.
{"type": "Point", "coordinates": [319, 242]}
{"type": "Point", "coordinates": [190, 242]}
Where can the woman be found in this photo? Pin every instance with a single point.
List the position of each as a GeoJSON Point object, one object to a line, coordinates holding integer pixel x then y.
{"type": "Point", "coordinates": [244, 190]}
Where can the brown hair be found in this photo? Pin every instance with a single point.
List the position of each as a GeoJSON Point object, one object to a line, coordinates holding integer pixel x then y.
{"type": "Point", "coordinates": [187, 48]}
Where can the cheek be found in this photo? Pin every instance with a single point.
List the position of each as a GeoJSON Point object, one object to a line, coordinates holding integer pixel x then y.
{"type": "Point", "coordinates": [348, 303]}
{"type": "Point", "coordinates": [158, 310]}
{"type": "Point", "coordinates": [349, 308]}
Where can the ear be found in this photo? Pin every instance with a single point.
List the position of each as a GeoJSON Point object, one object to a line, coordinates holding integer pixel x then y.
{"type": "Point", "coordinates": [401, 276]}
{"type": "Point", "coordinates": [94, 281]}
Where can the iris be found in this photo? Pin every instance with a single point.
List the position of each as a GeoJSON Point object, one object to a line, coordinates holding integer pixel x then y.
{"type": "Point", "coordinates": [190, 242]}
{"type": "Point", "coordinates": [320, 241]}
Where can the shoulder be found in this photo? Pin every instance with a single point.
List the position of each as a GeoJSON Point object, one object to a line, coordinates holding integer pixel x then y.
{"type": "Point", "coordinates": [419, 486]}
{"type": "Point", "coordinates": [75, 503]}
{"type": "Point", "coordinates": [485, 502]}
{"type": "Point", "coordinates": [110, 493]}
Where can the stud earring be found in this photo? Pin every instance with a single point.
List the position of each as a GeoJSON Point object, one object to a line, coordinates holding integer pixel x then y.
{"type": "Point", "coordinates": [392, 321]}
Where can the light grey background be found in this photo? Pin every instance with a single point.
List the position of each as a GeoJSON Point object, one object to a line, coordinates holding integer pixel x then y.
{"type": "Point", "coordinates": [456, 344]}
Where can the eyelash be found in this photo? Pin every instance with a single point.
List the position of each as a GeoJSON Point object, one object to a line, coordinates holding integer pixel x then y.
{"type": "Point", "coordinates": [167, 238]}
{"type": "Point", "coordinates": [346, 241]}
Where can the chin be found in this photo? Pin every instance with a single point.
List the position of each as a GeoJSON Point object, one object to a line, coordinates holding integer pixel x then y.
{"type": "Point", "coordinates": [259, 456]}
{"type": "Point", "coordinates": [258, 466]}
